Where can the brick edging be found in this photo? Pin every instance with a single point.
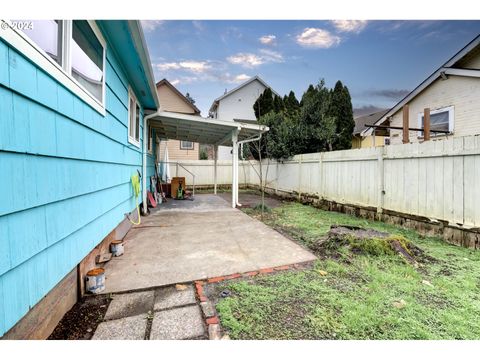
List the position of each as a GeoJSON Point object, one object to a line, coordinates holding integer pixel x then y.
{"type": "Point", "coordinates": [199, 285]}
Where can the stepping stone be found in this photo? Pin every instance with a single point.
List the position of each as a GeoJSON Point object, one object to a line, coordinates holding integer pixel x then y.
{"type": "Point", "coordinates": [178, 324]}
{"type": "Point", "coordinates": [171, 297]}
{"type": "Point", "coordinates": [129, 328]}
{"type": "Point", "coordinates": [124, 305]}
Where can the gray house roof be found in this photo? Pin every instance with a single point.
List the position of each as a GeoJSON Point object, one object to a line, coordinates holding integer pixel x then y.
{"type": "Point", "coordinates": [448, 68]}
{"type": "Point", "coordinates": [369, 119]}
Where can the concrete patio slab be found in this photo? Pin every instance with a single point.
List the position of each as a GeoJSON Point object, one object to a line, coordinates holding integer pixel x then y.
{"type": "Point", "coordinates": [125, 305]}
{"type": "Point", "coordinates": [129, 328]}
{"type": "Point", "coordinates": [178, 324]}
{"type": "Point", "coordinates": [205, 239]}
{"type": "Point", "coordinates": [169, 297]}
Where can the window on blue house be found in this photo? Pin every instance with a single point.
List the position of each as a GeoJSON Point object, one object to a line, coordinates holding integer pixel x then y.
{"type": "Point", "coordinates": [87, 58]}
{"type": "Point", "coordinates": [133, 120]}
{"type": "Point", "coordinates": [46, 34]}
{"type": "Point", "coordinates": [75, 47]}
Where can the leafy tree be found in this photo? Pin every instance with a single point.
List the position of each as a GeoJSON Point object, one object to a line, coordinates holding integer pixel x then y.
{"type": "Point", "coordinates": [189, 98]}
{"type": "Point", "coordinates": [341, 110]}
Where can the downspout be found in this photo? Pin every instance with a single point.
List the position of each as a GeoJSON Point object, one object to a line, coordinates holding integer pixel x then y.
{"type": "Point", "coordinates": [240, 143]}
{"type": "Point", "coordinates": [144, 164]}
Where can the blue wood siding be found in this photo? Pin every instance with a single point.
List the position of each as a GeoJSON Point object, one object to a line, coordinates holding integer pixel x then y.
{"type": "Point", "coordinates": [65, 177]}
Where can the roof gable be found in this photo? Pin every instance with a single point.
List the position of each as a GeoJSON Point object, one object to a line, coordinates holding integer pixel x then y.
{"type": "Point", "coordinates": [467, 51]}
{"type": "Point", "coordinates": [249, 81]}
{"type": "Point", "coordinates": [165, 82]}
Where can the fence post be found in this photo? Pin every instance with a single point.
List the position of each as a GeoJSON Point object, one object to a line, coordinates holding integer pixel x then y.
{"type": "Point", "coordinates": [300, 177]}
{"type": "Point", "coordinates": [320, 168]}
{"type": "Point", "coordinates": [276, 177]}
{"type": "Point", "coordinates": [381, 178]}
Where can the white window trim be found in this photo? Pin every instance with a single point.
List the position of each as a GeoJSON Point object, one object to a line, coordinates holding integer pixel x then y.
{"type": "Point", "coordinates": [23, 44]}
{"type": "Point", "coordinates": [187, 148]}
{"type": "Point", "coordinates": [132, 140]}
{"type": "Point", "coordinates": [451, 119]}
{"type": "Point", "coordinates": [150, 141]}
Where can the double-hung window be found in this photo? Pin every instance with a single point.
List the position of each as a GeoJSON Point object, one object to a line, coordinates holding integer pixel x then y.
{"type": "Point", "coordinates": [186, 145]}
{"type": "Point", "coordinates": [440, 119]}
{"type": "Point", "coordinates": [74, 50]}
{"type": "Point", "coordinates": [133, 120]}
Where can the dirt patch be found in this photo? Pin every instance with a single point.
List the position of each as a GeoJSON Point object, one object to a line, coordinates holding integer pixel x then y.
{"type": "Point", "coordinates": [368, 241]}
{"type": "Point", "coordinates": [81, 321]}
{"type": "Point", "coordinates": [251, 199]}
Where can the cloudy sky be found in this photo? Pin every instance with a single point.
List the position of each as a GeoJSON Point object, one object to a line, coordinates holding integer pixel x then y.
{"type": "Point", "coordinates": [380, 61]}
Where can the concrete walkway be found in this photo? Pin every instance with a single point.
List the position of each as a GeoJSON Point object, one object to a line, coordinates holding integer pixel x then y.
{"type": "Point", "coordinates": [183, 241]}
{"type": "Point", "coordinates": [170, 313]}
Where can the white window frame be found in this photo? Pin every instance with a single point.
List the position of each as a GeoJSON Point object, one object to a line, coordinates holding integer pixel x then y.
{"type": "Point", "coordinates": [187, 148]}
{"type": "Point", "coordinates": [61, 73]}
{"type": "Point", "coordinates": [132, 140]}
{"type": "Point", "coordinates": [451, 120]}
{"type": "Point", "coordinates": [150, 139]}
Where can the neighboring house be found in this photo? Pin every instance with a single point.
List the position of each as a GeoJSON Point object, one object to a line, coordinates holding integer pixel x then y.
{"type": "Point", "coordinates": [379, 138]}
{"type": "Point", "coordinates": [451, 93]}
{"type": "Point", "coordinates": [237, 105]}
{"type": "Point", "coordinates": [71, 137]}
{"type": "Point", "coordinates": [174, 101]}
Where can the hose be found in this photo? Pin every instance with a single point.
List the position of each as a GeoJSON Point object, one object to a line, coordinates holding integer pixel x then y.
{"type": "Point", "coordinates": [136, 191]}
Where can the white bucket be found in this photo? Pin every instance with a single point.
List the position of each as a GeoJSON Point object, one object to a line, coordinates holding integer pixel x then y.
{"type": "Point", "coordinates": [116, 248]}
{"type": "Point", "coordinates": [95, 281]}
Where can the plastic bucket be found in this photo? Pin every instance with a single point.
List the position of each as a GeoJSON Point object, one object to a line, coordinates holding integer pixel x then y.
{"type": "Point", "coordinates": [95, 281]}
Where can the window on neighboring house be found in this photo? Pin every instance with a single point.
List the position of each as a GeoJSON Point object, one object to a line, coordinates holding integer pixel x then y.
{"type": "Point", "coordinates": [75, 48]}
{"type": "Point", "coordinates": [186, 145]}
{"type": "Point", "coordinates": [87, 58]}
{"type": "Point", "coordinates": [386, 141]}
{"type": "Point", "coordinates": [47, 35]}
{"type": "Point", "coordinates": [133, 120]}
{"type": "Point", "coordinates": [440, 119]}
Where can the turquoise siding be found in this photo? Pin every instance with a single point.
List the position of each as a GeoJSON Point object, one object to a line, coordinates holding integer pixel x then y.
{"type": "Point", "coordinates": [65, 177]}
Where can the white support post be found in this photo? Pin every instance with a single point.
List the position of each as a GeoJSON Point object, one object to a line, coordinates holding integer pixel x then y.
{"type": "Point", "coordinates": [215, 158]}
{"type": "Point", "coordinates": [235, 168]}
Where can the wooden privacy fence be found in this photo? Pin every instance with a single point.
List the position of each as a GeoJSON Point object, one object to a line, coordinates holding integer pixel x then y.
{"type": "Point", "coordinates": [439, 180]}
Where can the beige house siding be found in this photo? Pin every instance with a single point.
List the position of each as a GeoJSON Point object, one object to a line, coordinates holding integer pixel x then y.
{"type": "Point", "coordinates": [463, 93]}
{"type": "Point", "coordinates": [171, 101]}
{"type": "Point", "coordinates": [175, 153]}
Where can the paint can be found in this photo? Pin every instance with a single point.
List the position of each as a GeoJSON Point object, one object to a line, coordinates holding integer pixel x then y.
{"type": "Point", "coordinates": [95, 281]}
{"type": "Point", "coordinates": [116, 248]}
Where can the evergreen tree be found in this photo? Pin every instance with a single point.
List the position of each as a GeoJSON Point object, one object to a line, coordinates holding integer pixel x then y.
{"type": "Point", "coordinates": [316, 127]}
{"type": "Point", "coordinates": [264, 103]}
{"type": "Point", "coordinates": [278, 104]}
{"type": "Point", "coordinates": [341, 110]}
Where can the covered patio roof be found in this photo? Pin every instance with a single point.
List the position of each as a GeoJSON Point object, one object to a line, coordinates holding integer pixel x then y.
{"type": "Point", "coordinates": [177, 126]}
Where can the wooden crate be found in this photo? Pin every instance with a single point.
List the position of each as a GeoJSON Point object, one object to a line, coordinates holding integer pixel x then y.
{"type": "Point", "coordinates": [175, 184]}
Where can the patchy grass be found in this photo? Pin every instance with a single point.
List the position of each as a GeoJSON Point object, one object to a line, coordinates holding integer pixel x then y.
{"type": "Point", "coordinates": [370, 296]}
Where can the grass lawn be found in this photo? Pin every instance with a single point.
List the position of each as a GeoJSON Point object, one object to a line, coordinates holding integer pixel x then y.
{"type": "Point", "coordinates": [356, 296]}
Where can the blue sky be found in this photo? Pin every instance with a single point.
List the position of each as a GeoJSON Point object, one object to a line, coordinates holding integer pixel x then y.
{"type": "Point", "coordinates": [379, 61]}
